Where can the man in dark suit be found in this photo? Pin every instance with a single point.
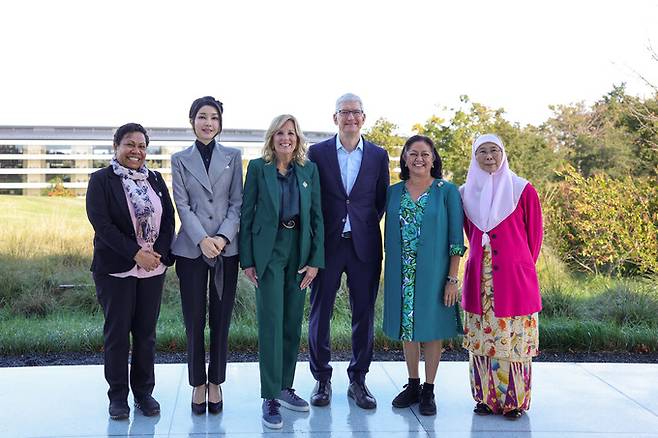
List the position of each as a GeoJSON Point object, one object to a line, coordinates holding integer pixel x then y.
{"type": "Point", "coordinates": [354, 177]}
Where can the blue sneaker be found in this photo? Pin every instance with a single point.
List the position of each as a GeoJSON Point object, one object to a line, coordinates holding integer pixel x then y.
{"type": "Point", "coordinates": [288, 399]}
{"type": "Point", "coordinates": [271, 415]}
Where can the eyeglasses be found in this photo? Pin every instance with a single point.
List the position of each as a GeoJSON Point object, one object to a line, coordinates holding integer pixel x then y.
{"type": "Point", "coordinates": [346, 113]}
{"type": "Point", "coordinates": [484, 152]}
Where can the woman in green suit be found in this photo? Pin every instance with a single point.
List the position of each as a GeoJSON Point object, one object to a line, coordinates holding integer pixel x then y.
{"type": "Point", "coordinates": [424, 242]}
{"type": "Point", "coordinates": [281, 249]}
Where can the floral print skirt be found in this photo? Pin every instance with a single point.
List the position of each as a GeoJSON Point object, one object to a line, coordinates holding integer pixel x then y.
{"type": "Point", "coordinates": [501, 351]}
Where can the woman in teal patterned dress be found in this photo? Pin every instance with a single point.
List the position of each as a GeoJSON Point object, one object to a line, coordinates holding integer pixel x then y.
{"type": "Point", "coordinates": [424, 242]}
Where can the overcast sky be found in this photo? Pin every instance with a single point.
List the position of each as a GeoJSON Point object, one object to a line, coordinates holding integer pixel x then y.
{"type": "Point", "coordinates": [107, 63]}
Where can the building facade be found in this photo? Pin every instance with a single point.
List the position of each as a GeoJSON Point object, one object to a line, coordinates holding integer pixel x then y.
{"type": "Point", "coordinates": [34, 158]}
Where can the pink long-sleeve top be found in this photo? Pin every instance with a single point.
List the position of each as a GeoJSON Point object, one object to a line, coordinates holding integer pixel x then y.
{"type": "Point", "coordinates": [515, 245]}
{"type": "Point", "coordinates": [136, 271]}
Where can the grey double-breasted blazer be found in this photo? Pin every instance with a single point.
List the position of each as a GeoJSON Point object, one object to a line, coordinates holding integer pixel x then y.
{"type": "Point", "coordinates": [208, 203]}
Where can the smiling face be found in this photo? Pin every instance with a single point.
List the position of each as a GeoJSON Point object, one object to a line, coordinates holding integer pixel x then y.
{"type": "Point", "coordinates": [489, 156]}
{"type": "Point", "coordinates": [419, 158]}
{"type": "Point", "coordinates": [206, 124]}
{"type": "Point", "coordinates": [131, 151]}
{"type": "Point", "coordinates": [285, 140]}
{"type": "Point", "coordinates": [349, 118]}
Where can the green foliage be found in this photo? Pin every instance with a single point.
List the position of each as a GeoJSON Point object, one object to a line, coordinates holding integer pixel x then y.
{"type": "Point", "coordinates": [603, 224]}
{"type": "Point", "coordinates": [618, 135]}
{"type": "Point", "coordinates": [383, 134]}
{"type": "Point", "coordinates": [529, 154]}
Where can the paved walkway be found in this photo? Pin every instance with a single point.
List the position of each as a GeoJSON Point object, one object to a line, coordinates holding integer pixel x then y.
{"type": "Point", "coordinates": [569, 400]}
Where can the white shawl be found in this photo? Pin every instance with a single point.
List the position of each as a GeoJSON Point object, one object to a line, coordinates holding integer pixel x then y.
{"type": "Point", "coordinates": [489, 198]}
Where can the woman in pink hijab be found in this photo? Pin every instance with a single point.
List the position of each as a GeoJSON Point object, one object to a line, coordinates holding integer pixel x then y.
{"type": "Point", "coordinates": [501, 296]}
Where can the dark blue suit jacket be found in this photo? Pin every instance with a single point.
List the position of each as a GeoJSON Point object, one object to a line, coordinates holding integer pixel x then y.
{"type": "Point", "coordinates": [365, 203]}
{"type": "Point", "coordinates": [115, 243]}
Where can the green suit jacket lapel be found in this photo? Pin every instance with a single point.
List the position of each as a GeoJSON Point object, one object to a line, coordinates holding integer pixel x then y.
{"type": "Point", "coordinates": [269, 172]}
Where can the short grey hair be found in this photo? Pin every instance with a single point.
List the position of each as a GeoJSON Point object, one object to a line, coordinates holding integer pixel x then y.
{"type": "Point", "coordinates": [348, 97]}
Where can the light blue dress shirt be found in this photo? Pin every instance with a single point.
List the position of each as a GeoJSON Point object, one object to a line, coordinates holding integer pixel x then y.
{"type": "Point", "coordinates": [349, 163]}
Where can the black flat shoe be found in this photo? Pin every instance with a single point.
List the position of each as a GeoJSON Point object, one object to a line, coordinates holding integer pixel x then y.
{"type": "Point", "coordinates": [322, 393]}
{"type": "Point", "coordinates": [409, 396]}
{"type": "Point", "coordinates": [119, 410]}
{"type": "Point", "coordinates": [427, 405]}
{"type": "Point", "coordinates": [514, 414]}
{"type": "Point", "coordinates": [482, 409]}
{"type": "Point", "coordinates": [148, 405]}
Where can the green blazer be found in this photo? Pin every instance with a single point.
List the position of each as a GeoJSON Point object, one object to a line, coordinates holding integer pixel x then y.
{"type": "Point", "coordinates": [441, 235]}
{"type": "Point", "coordinates": [259, 220]}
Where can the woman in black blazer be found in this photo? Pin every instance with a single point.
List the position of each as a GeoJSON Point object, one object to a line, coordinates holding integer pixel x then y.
{"type": "Point", "coordinates": [133, 219]}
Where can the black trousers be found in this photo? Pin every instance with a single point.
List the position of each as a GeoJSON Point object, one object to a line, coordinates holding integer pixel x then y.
{"type": "Point", "coordinates": [198, 293]}
{"type": "Point", "coordinates": [363, 284]}
{"type": "Point", "coordinates": [131, 307]}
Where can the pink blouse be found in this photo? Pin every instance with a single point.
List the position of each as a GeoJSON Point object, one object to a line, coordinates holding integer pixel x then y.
{"type": "Point", "coordinates": [136, 271]}
{"type": "Point", "coordinates": [515, 245]}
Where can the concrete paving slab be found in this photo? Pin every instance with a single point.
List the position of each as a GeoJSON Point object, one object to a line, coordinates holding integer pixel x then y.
{"type": "Point", "coordinates": [569, 400]}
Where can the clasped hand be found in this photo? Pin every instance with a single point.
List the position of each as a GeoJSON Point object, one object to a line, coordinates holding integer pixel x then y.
{"type": "Point", "coordinates": [211, 247]}
{"type": "Point", "coordinates": [147, 259]}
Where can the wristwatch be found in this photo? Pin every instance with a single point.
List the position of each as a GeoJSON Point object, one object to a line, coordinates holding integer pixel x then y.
{"type": "Point", "coordinates": [452, 280]}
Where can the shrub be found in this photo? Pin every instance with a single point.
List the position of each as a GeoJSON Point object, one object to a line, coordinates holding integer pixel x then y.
{"type": "Point", "coordinates": [57, 188]}
{"type": "Point", "coordinates": [601, 224]}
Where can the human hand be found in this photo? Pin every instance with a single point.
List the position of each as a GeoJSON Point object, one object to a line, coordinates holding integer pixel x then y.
{"type": "Point", "coordinates": [220, 242]}
{"type": "Point", "coordinates": [209, 247]}
{"type": "Point", "coordinates": [251, 275]}
{"type": "Point", "coordinates": [311, 272]}
{"type": "Point", "coordinates": [450, 294]}
{"type": "Point", "coordinates": [147, 259]}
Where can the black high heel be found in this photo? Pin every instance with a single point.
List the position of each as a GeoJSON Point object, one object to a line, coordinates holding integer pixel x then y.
{"type": "Point", "coordinates": [216, 408]}
{"type": "Point", "coordinates": [199, 408]}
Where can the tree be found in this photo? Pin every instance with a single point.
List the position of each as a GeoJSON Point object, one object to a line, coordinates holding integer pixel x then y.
{"type": "Point", "coordinates": [529, 154]}
{"type": "Point", "coordinates": [383, 134]}
{"type": "Point", "coordinates": [606, 138]}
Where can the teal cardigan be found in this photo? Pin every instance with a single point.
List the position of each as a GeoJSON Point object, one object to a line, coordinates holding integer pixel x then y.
{"type": "Point", "coordinates": [441, 235]}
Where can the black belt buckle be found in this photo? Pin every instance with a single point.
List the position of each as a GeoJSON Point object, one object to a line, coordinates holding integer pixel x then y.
{"type": "Point", "coordinates": [346, 234]}
{"type": "Point", "coordinates": [289, 224]}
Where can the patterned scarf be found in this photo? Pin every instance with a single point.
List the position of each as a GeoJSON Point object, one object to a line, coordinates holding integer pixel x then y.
{"type": "Point", "coordinates": [136, 186]}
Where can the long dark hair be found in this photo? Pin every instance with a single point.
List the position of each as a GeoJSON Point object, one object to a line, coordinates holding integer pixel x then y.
{"type": "Point", "coordinates": [437, 166]}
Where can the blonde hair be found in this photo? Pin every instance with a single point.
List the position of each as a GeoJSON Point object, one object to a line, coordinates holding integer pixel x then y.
{"type": "Point", "coordinates": [299, 154]}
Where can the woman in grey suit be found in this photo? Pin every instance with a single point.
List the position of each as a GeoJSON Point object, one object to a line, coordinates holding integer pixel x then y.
{"type": "Point", "coordinates": [207, 182]}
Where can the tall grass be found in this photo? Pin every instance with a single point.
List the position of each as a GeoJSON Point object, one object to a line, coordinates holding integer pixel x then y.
{"type": "Point", "coordinates": [46, 243]}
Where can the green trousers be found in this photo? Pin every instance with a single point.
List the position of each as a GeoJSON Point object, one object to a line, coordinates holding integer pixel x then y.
{"type": "Point", "coordinates": [280, 309]}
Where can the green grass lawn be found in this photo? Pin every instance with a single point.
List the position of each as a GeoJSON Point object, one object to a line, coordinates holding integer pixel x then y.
{"type": "Point", "coordinates": [46, 242]}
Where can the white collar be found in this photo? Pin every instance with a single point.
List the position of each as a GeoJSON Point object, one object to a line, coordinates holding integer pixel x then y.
{"type": "Point", "coordinates": [339, 145]}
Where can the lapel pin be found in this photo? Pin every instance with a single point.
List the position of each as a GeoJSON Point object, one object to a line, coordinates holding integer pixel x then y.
{"type": "Point", "coordinates": [305, 184]}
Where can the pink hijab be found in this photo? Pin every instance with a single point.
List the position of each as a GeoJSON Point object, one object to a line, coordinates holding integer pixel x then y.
{"type": "Point", "coordinates": [489, 198]}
